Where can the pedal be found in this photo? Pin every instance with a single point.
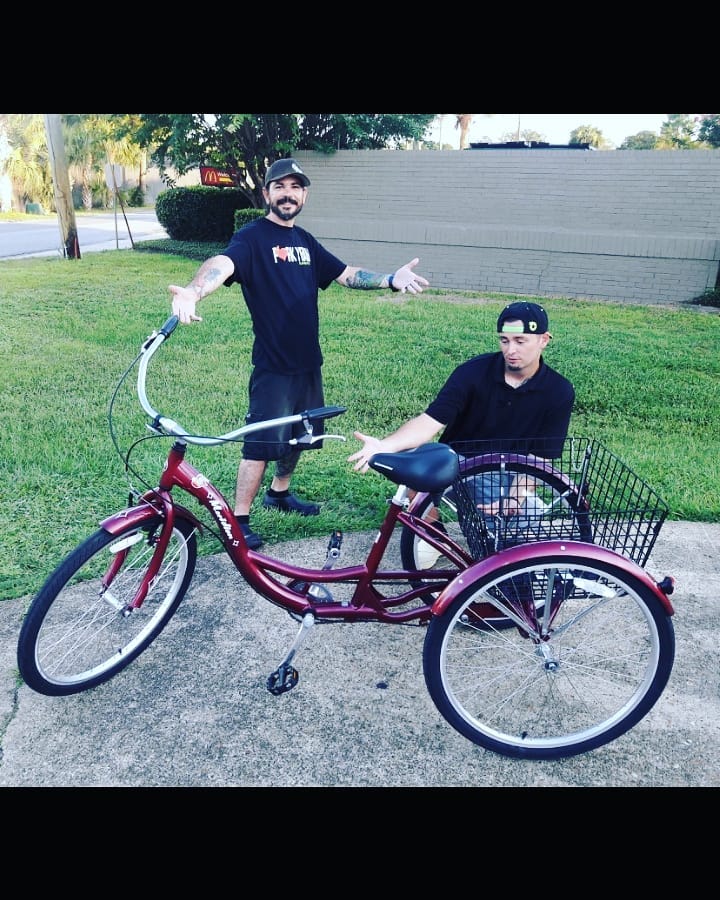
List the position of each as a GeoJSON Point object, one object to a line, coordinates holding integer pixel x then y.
{"type": "Point", "coordinates": [285, 676]}
{"type": "Point", "coordinates": [282, 680]}
{"type": "Point", "coordinates": [333, 547]}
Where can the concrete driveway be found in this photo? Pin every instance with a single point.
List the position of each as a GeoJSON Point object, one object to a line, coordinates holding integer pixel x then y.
{"type": "Point", "coordinates": [194, 711]}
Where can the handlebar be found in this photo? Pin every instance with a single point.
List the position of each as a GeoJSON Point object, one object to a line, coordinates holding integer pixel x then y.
{"type": "Point", "coordinates": [164, 425]}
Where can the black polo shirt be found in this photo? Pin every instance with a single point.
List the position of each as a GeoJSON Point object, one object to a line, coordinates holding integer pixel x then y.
{"type": "Point", "coordinates": [476, 404]}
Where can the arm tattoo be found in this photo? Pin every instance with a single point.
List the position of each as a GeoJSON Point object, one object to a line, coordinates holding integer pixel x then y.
{"type": "Point", "coordinates": [207, 281]}
{"type": "Point", "coordinates": [366, 281]}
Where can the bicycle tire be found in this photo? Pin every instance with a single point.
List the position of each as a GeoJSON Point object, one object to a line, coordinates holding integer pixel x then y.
{"type": "Point", "coordinates": [578, 669]}
{"type": "Point", "coordinates": [77, 634]}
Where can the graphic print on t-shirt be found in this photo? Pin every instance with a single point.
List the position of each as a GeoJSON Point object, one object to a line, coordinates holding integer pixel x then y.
{"type": "Point", "coordinates": [299, 255]}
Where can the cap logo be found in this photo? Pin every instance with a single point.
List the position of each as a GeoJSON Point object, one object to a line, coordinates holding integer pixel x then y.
{"type": "Point", "coordinates": [532, 319]}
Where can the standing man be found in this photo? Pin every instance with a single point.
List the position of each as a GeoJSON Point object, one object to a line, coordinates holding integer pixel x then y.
{"type": "Point", "coordinates": [280, 268]}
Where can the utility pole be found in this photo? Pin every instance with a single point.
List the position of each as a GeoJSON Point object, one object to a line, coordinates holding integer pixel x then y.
{"type": "Point", "coordinates": [61, 186]}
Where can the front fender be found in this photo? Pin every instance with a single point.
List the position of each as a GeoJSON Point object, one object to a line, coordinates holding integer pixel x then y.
{"type": "Point", "coordinates": [136, 515]}
{"type": "Point", "coordinates": [535, 552]}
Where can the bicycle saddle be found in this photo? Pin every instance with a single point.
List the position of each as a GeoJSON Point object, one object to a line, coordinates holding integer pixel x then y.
{"type": "Point", "coordinates": [429, 467]}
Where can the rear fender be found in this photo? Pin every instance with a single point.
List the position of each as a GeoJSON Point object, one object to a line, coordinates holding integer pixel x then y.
{"type": "Point", "coordinates": [534, 552]}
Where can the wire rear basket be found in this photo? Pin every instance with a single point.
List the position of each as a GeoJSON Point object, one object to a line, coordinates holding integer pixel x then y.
{"type": "Point", "coordinates": [586, 493]}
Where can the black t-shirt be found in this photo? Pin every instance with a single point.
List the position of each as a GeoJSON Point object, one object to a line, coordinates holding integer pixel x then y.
{"type": "Point", "coordinates": [280, 271]}
{"type": "Point", "coordinates": [475, 404]}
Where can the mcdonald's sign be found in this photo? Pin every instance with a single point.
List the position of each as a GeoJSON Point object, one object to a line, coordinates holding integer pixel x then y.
{"type": "Point", "coordinates": [215, 178]}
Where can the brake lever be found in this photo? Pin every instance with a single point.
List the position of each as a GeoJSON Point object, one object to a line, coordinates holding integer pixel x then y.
{"type": "Point", "coordinates": [311, 439]}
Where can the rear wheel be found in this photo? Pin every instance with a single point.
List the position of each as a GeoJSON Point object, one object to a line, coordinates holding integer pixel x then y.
{"type": "Point", "coordinates": [589, 653]}
{"type": "Point", "coordinates": [80, 630]}
{"type": "Point", "coordinates": [559, 511]}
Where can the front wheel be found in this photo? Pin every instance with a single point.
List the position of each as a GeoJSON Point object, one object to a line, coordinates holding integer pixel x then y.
{"type": "Point", "coordinates": [79, 630]}
{"type": "Point", "coordinates": [590, 652]}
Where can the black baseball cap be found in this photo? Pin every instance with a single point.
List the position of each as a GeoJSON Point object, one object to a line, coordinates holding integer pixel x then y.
{"type": "Point", "coordinates": [533, 317]}
{"type": "Point", "coordinates": [284, 167]}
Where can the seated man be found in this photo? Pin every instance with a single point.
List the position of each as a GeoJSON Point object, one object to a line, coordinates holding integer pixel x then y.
{"type": "Point", "coordinates": [510, 397]}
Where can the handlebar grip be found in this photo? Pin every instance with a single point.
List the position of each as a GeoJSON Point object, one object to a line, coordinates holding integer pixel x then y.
{"type": "Point", "coordinates": [325, 412]}
{"type": "Point", "coordinates": [169, 326]}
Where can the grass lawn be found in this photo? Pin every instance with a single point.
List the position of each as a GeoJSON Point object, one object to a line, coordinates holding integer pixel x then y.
{"type": "Point", "coordinates": [646, 380]}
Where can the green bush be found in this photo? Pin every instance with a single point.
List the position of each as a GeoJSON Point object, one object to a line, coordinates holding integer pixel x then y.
{"type": "Point", "coordinates": [709, 298]}
{"type": "Point", "coordinates": [136, 197]}
{"type": "Point", "coordinates": [199, 251]}
{"type": "Point", "coordinates": [200, 213]}
{"type": "Point", "coordinates": [243, 216]}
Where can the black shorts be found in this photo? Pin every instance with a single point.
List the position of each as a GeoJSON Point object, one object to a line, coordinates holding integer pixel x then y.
{"type": "Point", "coordinates": [272, 395]}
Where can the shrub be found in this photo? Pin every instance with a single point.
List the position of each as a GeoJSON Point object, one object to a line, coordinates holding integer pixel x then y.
{"type": "Point", "coordinates": [200, 213]}
{"type": "Point", "coordinates": [243, 216]}
{"type": "Point", "coordinates": [136, 197]}
{"type": "Point", "coordinates": [709, 298]}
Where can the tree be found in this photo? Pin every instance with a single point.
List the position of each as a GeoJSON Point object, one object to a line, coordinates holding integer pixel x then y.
{"type": "Point", "coordinates": [244, 145]}
{"type": "Point", "coordinates": [27, 163]}
{"type": "Point", "coordinates": [84, 149]}
{"type": "Point", "coordinates": [588, 134]}
{"type": "Point", "coordinates": [527, 136]}
{"type": "Point", "coordinates": [92, 141]}
{"type": "Point", "coordinates": [463, 122]}
{"type": "Point", "coordinates": [677, 132]}
{"type": "Point", "coordinates": [709, 129]}
{"type": "Point", "coordinates": [327, 132]}
{"type": "Point", "coordinates": [643, 140]}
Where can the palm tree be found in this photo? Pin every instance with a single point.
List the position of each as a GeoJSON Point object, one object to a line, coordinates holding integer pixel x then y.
{"type": "Point", "coordinates": [463, 121]}
{"type": "Point", "coordinates": [27, 163]}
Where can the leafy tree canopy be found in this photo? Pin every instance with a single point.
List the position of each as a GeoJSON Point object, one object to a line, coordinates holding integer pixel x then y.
{"type": "Point", "coordinates": [643, 140]}
{"type": "Point", "coordinates": [526, 135]}
{"type": "Point", "coordinates": [677, 132]}
{"type": "Point", "coordinates": [709, 130]}
{"type": "Point", "coordinates": [244, 145]}
{"type": "Point", "coordinates": [588, 134]}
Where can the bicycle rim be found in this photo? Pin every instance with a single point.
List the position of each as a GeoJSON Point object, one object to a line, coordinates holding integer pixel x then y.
{"type": "Point", "coordinates": [590, 651]}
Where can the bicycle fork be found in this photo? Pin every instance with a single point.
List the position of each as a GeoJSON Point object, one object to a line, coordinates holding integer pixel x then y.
{"type": "Point", "coordinates": [120, 550]}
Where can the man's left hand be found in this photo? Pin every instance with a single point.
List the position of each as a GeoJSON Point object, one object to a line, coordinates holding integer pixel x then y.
{"type": "Point", "coordinates": [406, 281]}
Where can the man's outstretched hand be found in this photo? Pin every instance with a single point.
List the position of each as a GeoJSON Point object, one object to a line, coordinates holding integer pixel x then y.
{"type": "Point", "coordinates": [183, 304]}
{"type": "Point", "coordinates": [371, 445]}
{"type": "Point", "coordinates": [406, 281]}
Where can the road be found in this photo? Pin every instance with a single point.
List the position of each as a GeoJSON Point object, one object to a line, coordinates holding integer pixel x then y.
{"type": "Point", "coordinates": [40, 236]}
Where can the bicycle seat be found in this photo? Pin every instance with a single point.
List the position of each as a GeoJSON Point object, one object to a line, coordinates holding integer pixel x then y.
{"type": "Point", "coordinates": [429, 467]}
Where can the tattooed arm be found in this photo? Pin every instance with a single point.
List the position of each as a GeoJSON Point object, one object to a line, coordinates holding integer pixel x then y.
{"type": "Point", "coordinates": [208, 278]}
{"type": "Point", "coordinates": [403, 280]}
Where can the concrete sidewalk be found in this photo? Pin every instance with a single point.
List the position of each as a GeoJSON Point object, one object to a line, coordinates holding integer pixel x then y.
{"type": "Point", "coordinates": [194, 711]}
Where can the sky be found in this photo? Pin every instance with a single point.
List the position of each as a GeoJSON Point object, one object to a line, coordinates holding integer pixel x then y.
{"type": "Point", "coordinates": [554, 127]}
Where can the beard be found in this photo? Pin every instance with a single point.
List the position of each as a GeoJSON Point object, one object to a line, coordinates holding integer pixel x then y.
{"type": "Point", "coordinates": [285, 216]}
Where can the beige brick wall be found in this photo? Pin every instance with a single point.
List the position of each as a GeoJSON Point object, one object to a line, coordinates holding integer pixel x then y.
{"type": "Point", "coordinates": [638, 225]}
